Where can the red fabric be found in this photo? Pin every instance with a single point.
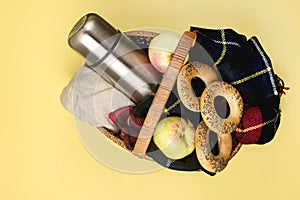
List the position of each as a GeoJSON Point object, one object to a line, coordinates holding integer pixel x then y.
{"type": "Point", "coordinates": [128, 124]}
{"type": "Point", "coordinates": [251, 120]}
{"type": "Point", "coordinates": [120, 116]}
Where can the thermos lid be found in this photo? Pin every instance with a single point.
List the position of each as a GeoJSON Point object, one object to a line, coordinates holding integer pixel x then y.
{"type": "Point", "coordinates": [91, 33]}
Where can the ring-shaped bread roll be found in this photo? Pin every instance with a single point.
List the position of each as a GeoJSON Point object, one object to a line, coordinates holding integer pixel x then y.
{"type": "Point", "coordinates": [209, 161]}
{"type": "Point", "coordinates": [218, 124]}
{"type": "Point", "coordinates": [186, 75]}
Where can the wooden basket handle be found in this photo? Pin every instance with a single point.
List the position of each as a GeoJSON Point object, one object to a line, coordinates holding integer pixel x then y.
{"type": "Point", "coordinates": [185, 43]}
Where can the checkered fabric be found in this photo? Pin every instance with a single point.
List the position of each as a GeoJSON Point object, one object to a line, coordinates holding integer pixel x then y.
{"type": "Point", "coordinates": [245, 65]}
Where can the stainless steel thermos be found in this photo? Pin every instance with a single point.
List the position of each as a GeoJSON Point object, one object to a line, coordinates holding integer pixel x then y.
{"type": "Point", "coordinates": [114, 57]}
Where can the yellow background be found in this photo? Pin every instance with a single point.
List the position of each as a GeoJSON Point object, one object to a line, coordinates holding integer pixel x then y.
{"type": "Point", "coordinates": [41, 156]}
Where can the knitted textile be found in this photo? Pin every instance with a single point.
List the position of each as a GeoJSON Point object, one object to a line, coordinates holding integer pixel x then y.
{"type": "Point", "coordinates": [239, 61]}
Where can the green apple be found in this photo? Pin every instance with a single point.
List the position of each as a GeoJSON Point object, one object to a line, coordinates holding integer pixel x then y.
{"type": "Point", "coordinates": [175, 136]}
{"type": "Point", "coordinates": [161, 49]}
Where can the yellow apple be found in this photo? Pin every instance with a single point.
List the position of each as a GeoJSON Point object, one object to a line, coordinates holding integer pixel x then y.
{"type": "Point", "coordinates": [175, 136]}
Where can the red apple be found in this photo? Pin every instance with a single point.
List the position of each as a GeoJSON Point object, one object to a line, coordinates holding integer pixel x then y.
{"type": "Point", "coordinates": [161, 49]}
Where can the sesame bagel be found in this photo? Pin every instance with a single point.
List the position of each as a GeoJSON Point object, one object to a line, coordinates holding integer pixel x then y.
{"type": "Point", "coordinates": [222, 124]}
{"type": "Point", "coordinates": [187, 74]}
{"type": "Point", "coordinates": [209, 161]}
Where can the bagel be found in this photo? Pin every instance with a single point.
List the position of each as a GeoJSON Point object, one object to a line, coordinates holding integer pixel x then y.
{"type": "Point", "coordinates": [186, 75]}
{"type": "Point", "coordinates": [209, 161]}
{"type": "Point", "coordinates": [209, 112]}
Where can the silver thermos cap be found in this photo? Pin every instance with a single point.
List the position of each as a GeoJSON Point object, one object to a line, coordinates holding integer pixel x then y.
{"type": "Point", "coordinates": [114, 57]}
